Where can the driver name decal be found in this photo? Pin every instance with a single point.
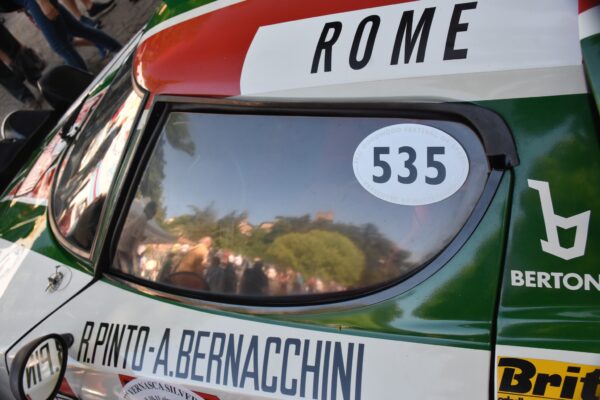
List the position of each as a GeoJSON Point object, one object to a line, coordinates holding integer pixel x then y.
{"type": "Point", "coordinates": [288, 366]}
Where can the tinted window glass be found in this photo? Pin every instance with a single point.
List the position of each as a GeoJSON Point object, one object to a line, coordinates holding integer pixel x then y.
{"type": "Point", "coordinates": [90, 164]}
{"type": "Point", "coordinates": [260, 205]}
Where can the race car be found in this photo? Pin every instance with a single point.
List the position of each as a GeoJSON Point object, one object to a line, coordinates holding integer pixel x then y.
{"type": "Point", "coordinates": [265, 199]}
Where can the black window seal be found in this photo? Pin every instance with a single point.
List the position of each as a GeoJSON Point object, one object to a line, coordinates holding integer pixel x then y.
{"type": "Point", "coordinates": [501, 156]}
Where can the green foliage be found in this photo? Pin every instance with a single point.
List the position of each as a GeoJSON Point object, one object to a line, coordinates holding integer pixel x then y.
{"type": "Point", "coordinates": [322, 254]}
{"type": "Point", "coordinates": [344, 253]}
{"type": "Point", "coordinates": [178, 134]}
{"type": "Point", "coordinates": [152, 184]}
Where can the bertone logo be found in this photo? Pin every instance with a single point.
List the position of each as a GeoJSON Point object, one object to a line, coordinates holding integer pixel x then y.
{"type": "Point", "coordinates": [552, 222]}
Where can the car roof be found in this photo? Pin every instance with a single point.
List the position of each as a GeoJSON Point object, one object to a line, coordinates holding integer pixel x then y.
{"type": "Point", "coordinates": [201, 50]}
{"type": "Point", "coordinates": [227, 48]}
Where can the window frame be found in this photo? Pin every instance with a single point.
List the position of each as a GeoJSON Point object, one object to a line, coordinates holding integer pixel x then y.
{"type": "Point", "coordinates": [493, 132]}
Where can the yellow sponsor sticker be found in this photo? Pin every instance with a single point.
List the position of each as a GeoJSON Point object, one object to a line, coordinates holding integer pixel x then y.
{"type": "Point", "coordinates": [533, 379]}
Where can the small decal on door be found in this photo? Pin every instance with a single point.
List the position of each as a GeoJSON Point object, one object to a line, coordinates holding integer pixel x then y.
{"type": "Point", "coordinates": [532, 379]}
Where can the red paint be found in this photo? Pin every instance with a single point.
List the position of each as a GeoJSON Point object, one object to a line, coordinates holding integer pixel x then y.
{"type": "Point", "coordinates": [207, 396]}
{"type": "Point", "coordinates": [204, 56]}
{"type": "Point", "coordinates": [125, 379]}
{"type": "Point", "coordinates": [65, 389]}
{"type": "Point", "coordinates": [585, 5]}
{"type": "Point", "coordinates": [37, 182]}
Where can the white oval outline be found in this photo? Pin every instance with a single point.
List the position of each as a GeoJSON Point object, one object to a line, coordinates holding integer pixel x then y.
{"type": "Point", "coordinates": [125, 395]}
{"type": "Point", "coordinates": [443, 138]}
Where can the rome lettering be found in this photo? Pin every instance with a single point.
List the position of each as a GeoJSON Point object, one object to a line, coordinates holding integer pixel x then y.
{"type": "Point", "coordinates": [407, 39]}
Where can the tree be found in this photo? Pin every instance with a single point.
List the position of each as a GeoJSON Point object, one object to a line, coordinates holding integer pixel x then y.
{"type": "Point", "coordinates": [178, 136]}
{"type": "Point", "coordinates": [329, 256]}
{"type": "Point", "coordinates": [196, 225]}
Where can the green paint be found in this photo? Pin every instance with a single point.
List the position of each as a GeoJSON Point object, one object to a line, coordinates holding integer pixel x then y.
{"type": "Point", "coordinates": [103, 84]}
{"type": "Point", "coordinates": [28, 225]}
{"type": "Point", "coordinates": [557, 140]}
{"type": "Point", "coordinates": [170, 8]}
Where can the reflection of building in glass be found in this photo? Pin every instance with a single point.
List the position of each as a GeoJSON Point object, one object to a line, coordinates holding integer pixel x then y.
{"type": "Point", "coordinates": [324, 216]}
{"type": "Point", "coordinates": [266, 226]}
{"type": "Point", "coordinates": [245, 228]}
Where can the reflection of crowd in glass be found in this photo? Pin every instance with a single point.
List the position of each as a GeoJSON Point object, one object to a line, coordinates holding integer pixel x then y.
{"type": "Point", "coordinates": [148, 251]}
{"type": "Point", "coordinates": [201, 266]}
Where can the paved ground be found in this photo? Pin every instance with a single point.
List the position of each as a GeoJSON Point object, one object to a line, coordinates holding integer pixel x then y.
{"type": "Point", "coordinates": [122, 22]}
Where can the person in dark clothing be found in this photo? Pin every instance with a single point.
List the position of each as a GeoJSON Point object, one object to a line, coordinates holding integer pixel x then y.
{"type": "Point", "coordinates": [15, 86]}
{"type": "Point", "coordinates": [59, 28]}
{"type": "Point", "coordinates": [230, 279]}
{"type": "Point", "coordinates": [221, 277]}
{"type": "Point", "coordinates": [18, 63]}
{"type": "Point", "coordinates": [21, 59]}
{"type": "Point", "coordinates": [94, 10]}
{"type": "Point", "coordinates": [214, 275]}
{"type": "Point", "coordinates": [254, 281]}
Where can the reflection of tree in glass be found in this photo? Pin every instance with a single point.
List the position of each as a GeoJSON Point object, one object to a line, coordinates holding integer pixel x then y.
{"type": "Point", "coordinates": [326, 255]}
{"type": "Point", "coordinates": [178, 133]}
{"type": "Point", "coordinates": [384, 261]}
{"type": "Point", "coordinates": [152, 184]}
{"type": "Point", "coordinates": [178, 136]}
{"type": "Point", "coordinates": [368, 257]}
{"type": "Point", "coordinates": [196, 225]}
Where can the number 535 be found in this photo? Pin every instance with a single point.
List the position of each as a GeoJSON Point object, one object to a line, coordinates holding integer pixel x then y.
{"type": "Point", "coordinates": [409, 165]}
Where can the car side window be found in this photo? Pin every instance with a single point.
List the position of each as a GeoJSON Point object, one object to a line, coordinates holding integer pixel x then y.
{"type": "Point", "coordinates": [88, 167]}
{"type": "Point", "coordinates": [270, 206]}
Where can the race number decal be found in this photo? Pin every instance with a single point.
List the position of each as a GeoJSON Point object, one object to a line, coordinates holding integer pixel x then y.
{"type": "Point", "coordinates": [410, 164]}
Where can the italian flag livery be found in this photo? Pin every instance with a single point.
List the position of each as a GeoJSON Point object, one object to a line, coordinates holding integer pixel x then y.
{"type": "Point", "coordinates": [512, 314]}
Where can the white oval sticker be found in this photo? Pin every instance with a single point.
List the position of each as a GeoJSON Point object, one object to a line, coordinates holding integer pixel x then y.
{"type": "Point", "coordinates": [410, 164]}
